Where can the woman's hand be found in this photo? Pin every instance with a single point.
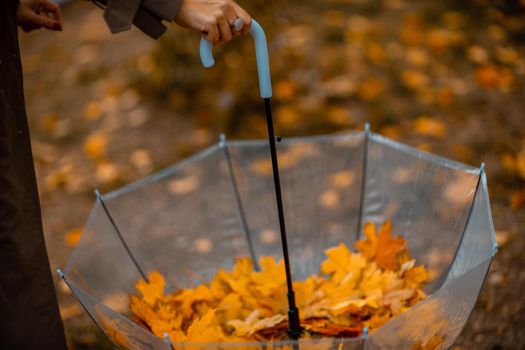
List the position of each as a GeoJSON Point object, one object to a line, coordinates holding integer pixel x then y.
{"type": "Point", "coordinates": [213, 18]}
{"type": "Point", "coordinates": [35, 14]}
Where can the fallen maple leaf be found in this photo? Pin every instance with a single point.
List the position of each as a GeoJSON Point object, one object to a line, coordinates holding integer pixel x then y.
{"type": "Point", "coordinates": [386, 251]}
{"type": "Point", "coordinates": [353, 290]}
{"type": "Point", "coordinates": [153, 289]}
{"type": "Point", "coordinates": [73, 237]}
{"type": "Point", "coordinates": [253, 324]}
{"type": "Point", "coordinates": [428, 126]}
{"type": "Point", "coordinates": [204, 329]}
{"type": "Point", "coordinates": [416, 276]}
{"type": "Point", "coordinates": [327, 328]}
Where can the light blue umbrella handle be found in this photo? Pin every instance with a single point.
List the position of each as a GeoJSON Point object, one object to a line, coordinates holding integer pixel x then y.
{"type": "Point", "coordinates": [261, 54]}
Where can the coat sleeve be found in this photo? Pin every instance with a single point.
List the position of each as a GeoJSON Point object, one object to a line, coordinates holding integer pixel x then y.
{"type": "Point", "coordinates": [147, 15]}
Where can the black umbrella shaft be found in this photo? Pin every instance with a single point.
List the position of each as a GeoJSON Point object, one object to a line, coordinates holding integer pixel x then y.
{"type": "Point", "coordinates": [293, 313]}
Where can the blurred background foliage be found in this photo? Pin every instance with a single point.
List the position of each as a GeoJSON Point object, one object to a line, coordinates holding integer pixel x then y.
{"type": "Point", "coordinates": [420, 70]}
{"type": "Point", "coordinates": [444, 76]}
{"type": "Point", "coordinates": [337, 64]}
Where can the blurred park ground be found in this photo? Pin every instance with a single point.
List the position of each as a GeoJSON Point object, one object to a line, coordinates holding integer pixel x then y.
{"type": "Point", "coordinates": [446, 76]}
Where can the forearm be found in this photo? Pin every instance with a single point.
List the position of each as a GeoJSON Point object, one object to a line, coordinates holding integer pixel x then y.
{"type": "Point", "coordinates": [213, 19]}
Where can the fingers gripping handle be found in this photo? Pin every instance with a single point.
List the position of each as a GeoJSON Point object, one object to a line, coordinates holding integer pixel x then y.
{"type": "Point", "coordinates": [261, 54]}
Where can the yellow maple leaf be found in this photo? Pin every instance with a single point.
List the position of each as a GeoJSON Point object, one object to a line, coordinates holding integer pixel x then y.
{"type": "Point", "coordinates": [351, 291]}
{"type": "Point", "coordinates": [188, 297]}
{"type": "Point", "coordinates": [271, 277]}
{"type": "Point", "coordinates": [237, 280]}
{"type": "Point", "coordinates": [204, 329]}
{"type": "Point", "coordinates": [154, 289]}
{"type": "Point", "coordinates": [159, 327]}
{"type": "Point", "coordinates": [306, 292]}
{"type": "Point", "coordinates": [141, 309]}
{"type": "Point", "coordinates": [396, 299]}
{"type": "Point", "coordinates": [377, 320]}
{"type": "Point", "coordinates": [342, 265]}
{"type": "Point", "coordinates": [230, 308]}
{"type": "Point", "coordinates": [415, 277]}
{"type": "Point", "coordinates": [254, 323]}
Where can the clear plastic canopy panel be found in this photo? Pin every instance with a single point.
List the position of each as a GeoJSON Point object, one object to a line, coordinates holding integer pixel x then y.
{"type": "Point", "coordinates": [199, 215]}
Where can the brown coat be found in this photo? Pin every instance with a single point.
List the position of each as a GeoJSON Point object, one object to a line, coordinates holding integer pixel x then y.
{"type": "Point", "coordinates": [29, 317]}
{"type": "Point", "coordinates": [147, 15]}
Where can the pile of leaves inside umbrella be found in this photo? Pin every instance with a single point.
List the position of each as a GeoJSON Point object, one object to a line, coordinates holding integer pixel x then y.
{"type": "Point", "coordinates": [352, 291]}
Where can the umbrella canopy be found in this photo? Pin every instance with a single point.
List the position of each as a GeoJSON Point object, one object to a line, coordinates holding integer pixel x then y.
{"type": "Point", "coordinates": [197, 216]}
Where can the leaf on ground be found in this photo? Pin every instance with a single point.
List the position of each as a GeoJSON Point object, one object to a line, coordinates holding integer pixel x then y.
{"type": "Point", "coordinates": [428, 126]}
{"type": "Point", "coordinates": [95, 145]}
{"type": "Point", "coordinates": [73, 237]}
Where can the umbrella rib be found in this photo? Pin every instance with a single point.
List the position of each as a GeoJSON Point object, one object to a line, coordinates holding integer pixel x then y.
{"type": "Point", "coordinates": [471, 209]}
{"type": "Point", "coordinates": [238, 202]}
{"type": "Point", "coordinates": [167, 340]}
{"type": "Point", "coordinates": [363, 181]}
{"type": "Point", "coordinates": [62, 275]}
{"type": "Point", "coordinates": [119, 234]}
{"type": "Point", "coordinates": [364, 337]}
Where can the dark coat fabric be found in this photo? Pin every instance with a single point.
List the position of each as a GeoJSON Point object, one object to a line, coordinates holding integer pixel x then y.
{"type": "Point", "coordinates": [147, 15]}
{"type": "Point", "coordinates": [29, 316]}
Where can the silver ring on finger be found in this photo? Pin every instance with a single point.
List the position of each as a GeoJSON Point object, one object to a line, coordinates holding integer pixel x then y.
{"type": "Point", "coordinates": [237, 25]}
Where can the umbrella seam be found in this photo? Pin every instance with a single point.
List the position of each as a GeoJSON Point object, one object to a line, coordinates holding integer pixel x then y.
{"type": "Point", "coordinates": [420, 153]}
{"type": "Point", "coordinates": [298, 139]}
{"type": "Point", "coordinates": [471, 209]}
{"type": "Point", "coordinates": [363, 181]}
{"type": "Point", "coordinates": [240, 209]}
{"type": "Point", "coordinates": [85, 232]}
{"type": "Point", "coordinates": [162, 174]}
{"type": "Point", "coordinates": [64, 278]}
{"type": "Point", "coordinates": [119, 234]}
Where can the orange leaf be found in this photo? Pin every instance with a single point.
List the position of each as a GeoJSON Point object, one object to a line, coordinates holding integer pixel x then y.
{"type": "Point", "coordinates": [428, 126]}
{"type": "Point", "coordinates": [368, 246]}
{"type": "Point", "coordinates": [271, 276]}
{"type": "Point", "coordinates": [517, 199]}
{"type": "Point", "coordinates": [328, 328]}
{"type": "Point", "coordinates": [154, 289]}
{"type": "Point", "coordinates": [388, 248]}
{"type": "Point", "coordinates": [416, 276]}
{"type": "Point", "coordinates": [382, 248]}
{"type": "Point", "coordinates": [351, 291]}
{"type": "Point", "coordinates": [204, 329]}
{"type": "Point", "coordinates": [73, 237]}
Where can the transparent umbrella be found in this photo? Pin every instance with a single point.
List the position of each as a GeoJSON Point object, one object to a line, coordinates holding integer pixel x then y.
{"type": "Point", "coordinates": [197, 216]}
